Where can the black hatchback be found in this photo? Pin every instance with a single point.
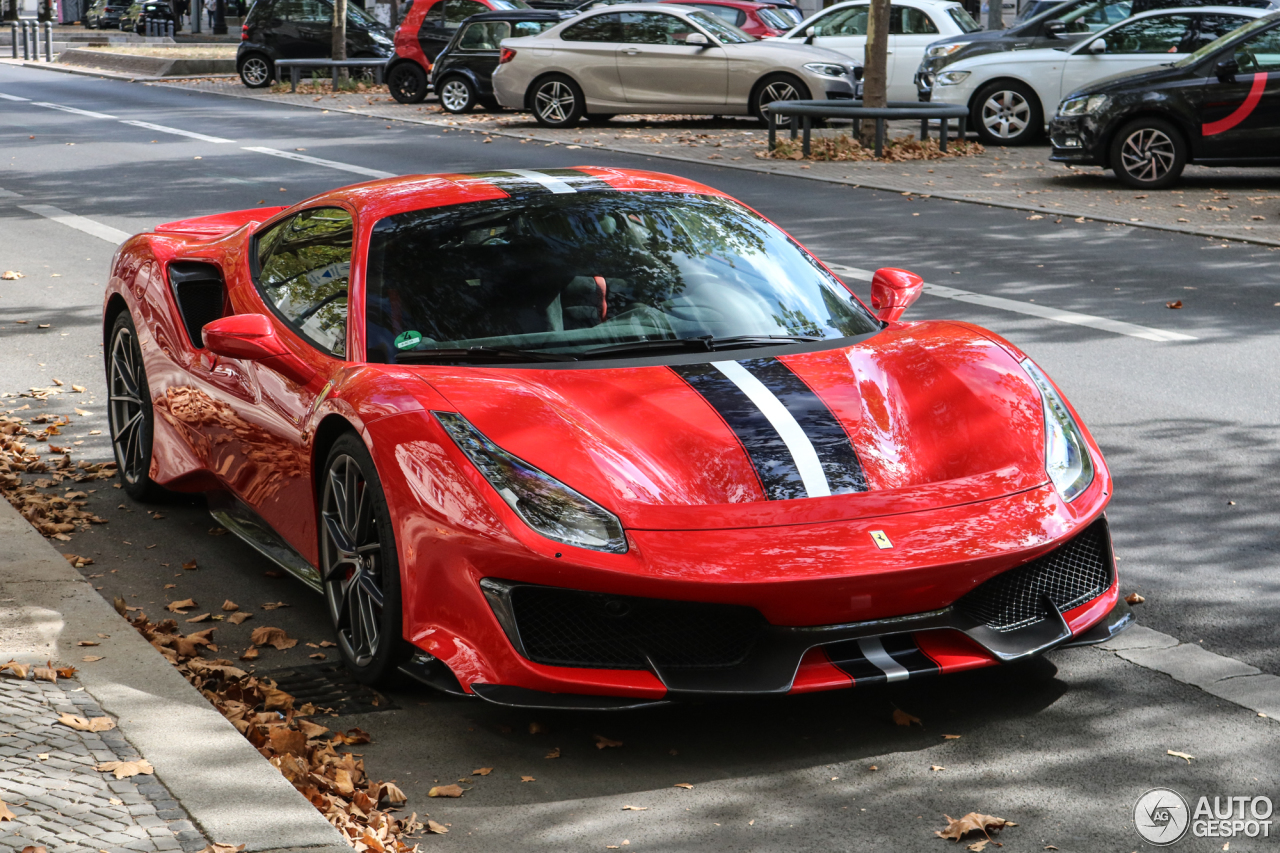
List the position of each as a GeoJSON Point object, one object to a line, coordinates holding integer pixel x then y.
{"type": "Point", "coordinates": [463, 72]}
{"type": "Point", "coordinates": [302, 29]}
{"type": "Point", "coordinates": [1219, 106]}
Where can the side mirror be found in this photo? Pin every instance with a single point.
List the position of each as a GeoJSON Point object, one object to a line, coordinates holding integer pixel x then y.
{"type": "Point", "coordinates": [893, 291]}
{"type": "Point", "coordinates": [252, 337]}
{"type": "Point", "coordinates": [810, 34]}
{"type": "Point", "coordinates": [1055, 29]}
{"type": "Point", "coordinates": [1227, 70]}
{"type": "Point", "coordinates": [1097, 46]}
{"type": "Point", "coordinates": [696, 39]}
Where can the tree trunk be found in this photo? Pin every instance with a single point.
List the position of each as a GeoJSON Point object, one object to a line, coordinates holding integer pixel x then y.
{"type": "Point", "coordinates": [875, 74]}
{"type": "Point", "coordinates": [995, 14]}
{"type": "Point", "coordinates": [395, 14]}
{"type": "Point", "coordinates": [340, 36]}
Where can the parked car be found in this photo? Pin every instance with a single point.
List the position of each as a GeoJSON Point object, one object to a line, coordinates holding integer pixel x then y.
{"type": "Point", "coordinates": [302, 29]}
{"type": "Point", "coordinates": [789, 13]}
{"type": "Point", "coordinates": [669, 59]}
{"type": "Point", "coordinates": [757, 19]}
{"type": "Point", "coordinates": [104, 15]}
{"type": "Point", "coordinates": [913, 26]}
{"type": "Point", "coordinates": [1010, 95]}
{"type": "Point", "coordinates": [1211, 108]}
{"type": "Point", "coordinates": [462, 74]}
{"type": "Point", "coordinates": [1033, 8]}
{"type": "Point", "coordinates": [431, 24]}
{"type": "Point", "coordinates": [134, 18]}
{"type": "Point", "coordinates": [1060, 26]}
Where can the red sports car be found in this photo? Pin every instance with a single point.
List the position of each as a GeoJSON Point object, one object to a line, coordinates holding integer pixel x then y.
{"type": "Point", "coordinates": [602, 438]}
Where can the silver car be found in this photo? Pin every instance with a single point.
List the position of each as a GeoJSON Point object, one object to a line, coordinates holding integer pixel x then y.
{"type": "Point", "coordinates": [638, 58]}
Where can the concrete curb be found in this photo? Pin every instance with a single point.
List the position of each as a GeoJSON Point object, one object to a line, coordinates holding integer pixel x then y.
{"type": "Point", "coordinates": [229, 790]}
{"type": "Point", "coordinates": [753, 167]}
{"type": "Point", "coordinates": [103, 72]}
{"type": "Point", "coordinates": [154, 66]}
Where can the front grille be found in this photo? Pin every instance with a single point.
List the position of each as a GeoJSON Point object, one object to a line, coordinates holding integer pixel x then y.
{"type": "Point", "coordinates": [565, 627]}
{"type": "Point", "coordinates": [1070, 575]}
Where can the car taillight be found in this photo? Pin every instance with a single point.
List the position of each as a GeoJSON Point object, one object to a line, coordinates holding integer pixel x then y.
{"type": "Point", "coordinates": [506, 56]}
{"type": "Point", "coordinates": [244, 32]}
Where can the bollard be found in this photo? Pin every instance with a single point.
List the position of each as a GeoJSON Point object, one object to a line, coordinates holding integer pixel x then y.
{"type": "Point", "coordinates": [26, 43]}
{"type": "Point", "coordinates": [169, 26]}
{"type": "Point", "coordinates": [48, 41]}
{"type": "Point", "coordinates": [13, 38]}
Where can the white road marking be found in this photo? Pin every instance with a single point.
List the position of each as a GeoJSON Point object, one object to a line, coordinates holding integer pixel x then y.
{"type": "Point", "coordinates": [175, 131]}
{"type": "Point", "coordinates": [12, 97]}
{"type": "Point", "coordinates": [316, 161]}
{"type": "Point", "coordinates": [114, 236]}
{"type": "Point", "coordinates": [555, 185]}
{"type": "Point", "coordinates": [799, 445]}
{"type": "Point", "coordinates": [9, 194]}
{"type": "Point", "coordinates": [70, 109]}
{"type": "Point", "coordinates": [1106, 324]}
{"type": "Point", "coordinates": [873, 650]}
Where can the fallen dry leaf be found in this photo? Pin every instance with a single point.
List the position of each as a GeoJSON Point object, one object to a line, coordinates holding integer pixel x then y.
{"type": "Point", "coordinates": [45, 673]}
{"type": "Point", "coordinates": [250, 654]}
{"type": "Point", "coordinates": [972, 822]}
{"type": "Point", "coordinates": [230, 606]}
{"type": "Point", "coordinates": [267, 636]}
{"type": "Point", "coordinates": [1177, 303]}
{"type": "Point", "coordinates": [684, 785]}
{"type": "Point", "coordinates": [34, 848]}
{"type": "Point", "coordinates": [79, 389]}
{"type": "Point", "coordinates": [203, 617]}
{"type": "Point", "coordinates": [978, 846]}
{"type": "Point", "coordinates": [635, 808]}
{"type": "Point", "coordinates": [482, 771]}
{"type": "Point", "coordinates": [1180, 755]}
{"type": "Point", "coordinates": [11, 275]}
{"type": "Point", "coordinates": [181, 607]}
{"type": "Point", "coordinates": [92, 658]}
{"type": "Point", "coordinates": [238, 617]}
{"type": "Point", "coordinates": [392, 794]}
{"type": "Point", "coordinates": [527, 779]}
{"type": "Point", "coordinates": [951, 737]}
{"type": "Point", "coordinates": [446, 791]}
{"type": "Point", "coordinates": [1134, 598]}
{"type": "Point", "coordinates": [88, 643]}
{"type": "Point", "coordinates": [18, 670]}
{"type": "Point", "coordinates": [555, 753]}
{"type": "Point", "coordinates": [936, 767]}
{"type": "Point", "coordinates": [274, 605]}
{"type": "Point", "coordinates": [223, 848]}
{"type": "Point", "coordinates": [437, 828]}
{"type": "Point", "coordinates": [603, 742]}
{"type": "Point", "coordinates": [190, 566]}
{"type": "Point", "coordinates": [125, 769]}
{"type": "Point", "coordinates": [902, 718]}
{"type": "Point", "coordinates": [91, 724]}
{"type": "Point", "coordinates": [5, 814]}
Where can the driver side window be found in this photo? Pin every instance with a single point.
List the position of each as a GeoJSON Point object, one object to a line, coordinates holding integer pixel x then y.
{"type": "Point", "coordinates": [1160, 34]}
{"type": "Point", "coordinates": [303, 267]}
{"type": "Point", "coordinates": [1259, 54]}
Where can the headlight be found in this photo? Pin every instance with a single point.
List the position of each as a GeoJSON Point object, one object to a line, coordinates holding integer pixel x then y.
{"type": "Point", "coordinates": [544, 503]}
{"type": "Point", "coordinates": [945, 49]}
{"type": "Point", "coordinates": [1082, 105]}
{"type": "Point", "coordinates": [952, 78]}
{"type": "Point", "coordinates": [1066, 456]}
{"type": "Point", "coordinates": [826, 69]}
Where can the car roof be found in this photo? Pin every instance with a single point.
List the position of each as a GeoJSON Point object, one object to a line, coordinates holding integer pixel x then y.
{"type": "Point", "coordinates": [518, 15]}
{"type": "Point", "coordinates": [733, 4]}
{"type": "Point", "coordinates": [926, 4]}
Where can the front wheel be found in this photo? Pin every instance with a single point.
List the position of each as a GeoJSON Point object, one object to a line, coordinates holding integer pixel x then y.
{"type": "Point", "coordinates": [130, 418]}
{"type": "Point", "coordinates": [457, 95]}
{"type": "Point", "coordinates": [256, 71]}
{"type": "Point", "coordinates": [557, 102]}
{"type": "Point", "coordinates": [358, 563]}
{"type": "Point", "coordinates": [1148, 153]}
{"type": "Point", "coordinates": [776, 87]}
{"type": "Point", "coordinates": [408, 83]}
{"type": "Point", "coordinates": [1007, 113]}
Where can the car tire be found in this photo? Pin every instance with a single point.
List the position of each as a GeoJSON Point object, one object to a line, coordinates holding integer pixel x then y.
{"type": "Point", "coordinates": [457, 95]}
{"type": "Point", "coordinates": [556, 101]}
{"type": "Point", "coordinates": [256, 70]}
{"type": "Point", "coordinates": [776, 87]}
{"type": "Point", "coordinates": [130, 417]}
{"type": "Point", "coordinates": [358, 563]}
{"type": "Point", "coordinates": [1006, 113]}
{"type": "Point", "coordinates": [408, 83]}
{"type": "Point", "coordinates": [1148, 153]}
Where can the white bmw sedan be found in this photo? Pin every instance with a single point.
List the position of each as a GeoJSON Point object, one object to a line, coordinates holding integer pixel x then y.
{"type": "Point", "coordinates": [1012, 95]}
{"type": "Point", "coordinates": [640, 58]}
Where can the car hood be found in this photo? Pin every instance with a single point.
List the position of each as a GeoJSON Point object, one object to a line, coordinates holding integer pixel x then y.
{"type": "Point", "coordinates": [936, 414]}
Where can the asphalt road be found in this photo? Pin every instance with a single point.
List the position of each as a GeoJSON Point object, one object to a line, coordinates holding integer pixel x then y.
{"type": "Point", "coordinates": [1063, 746]}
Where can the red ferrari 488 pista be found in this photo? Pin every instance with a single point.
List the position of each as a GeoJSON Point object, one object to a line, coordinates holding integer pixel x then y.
{"type": "Point", "coordinates": [602, 438]}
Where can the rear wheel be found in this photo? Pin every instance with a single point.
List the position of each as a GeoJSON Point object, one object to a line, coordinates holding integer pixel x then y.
{"type": "Point", "coordinates": [457, 95]}
{"type": "Point", "coordinates": [557, 102]}
{"type": "Point", "coordinates": [1007, 113]}
{"type": "Point", "coordinates": [1148, 153]}
{"type": "Point", "coordinates": [256, 70]}
{"type": "Point", "coordinates": [359, 567]}
{"type": "Point", "coordinates": [130, 418]}
{"type": "Point", "coordinates": [408, 83]}
{"type": "Point", "coordinates": [776, 87]}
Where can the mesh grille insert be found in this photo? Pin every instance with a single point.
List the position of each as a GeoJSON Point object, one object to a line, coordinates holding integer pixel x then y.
{"type": "Point", "coordinates": [1072, 574]}
{"type": "Point", "coordinates": [565, 627]}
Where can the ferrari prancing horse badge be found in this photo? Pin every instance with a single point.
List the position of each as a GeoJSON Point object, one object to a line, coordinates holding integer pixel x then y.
{"type": "Point", "coordinates": [882, 541]}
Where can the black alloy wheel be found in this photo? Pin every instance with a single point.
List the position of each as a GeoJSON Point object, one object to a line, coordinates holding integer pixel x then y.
{"type": "Point", "coordinates": [408, 83]}
{"type": "Point", "coordinates": [130, 418]}
{"type": "Point", "coordinates": [457, 95]}
{"type": "Point", "coordinates": [257, 71]}
{"type": "Point", "coordinates": [776, 87]}
{"type": "Point", "coordinates": [1148, 153]}
{"type": "Point", "coordinates": [557, 101]}
{"type": "Point", "coordinates": [358, 563]}
{"type": "Point", "coordinates": [1006, 113]}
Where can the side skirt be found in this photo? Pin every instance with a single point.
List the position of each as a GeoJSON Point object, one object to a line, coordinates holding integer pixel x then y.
{"type": "Point", "coordinates": [234, 515]}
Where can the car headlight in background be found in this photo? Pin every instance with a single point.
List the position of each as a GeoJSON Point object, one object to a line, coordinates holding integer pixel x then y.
{"type": "Point", "coordinates": [826, 69]}
{"type": "Point", "coordinates": [1082, 105]}
{"type": "Point", "coordinates": [544, 503]}
{"type": "Point", "coordinates": [1066, 455]}
{"type": "Point", "coordinates": [942, 50]}
{"type": "Point", "coordinates": [952, 78]}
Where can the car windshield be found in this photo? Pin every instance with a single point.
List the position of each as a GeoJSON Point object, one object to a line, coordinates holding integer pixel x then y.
{"type": "Point", "coordinates": [772, 19]}
{"type": "Point", "coordinates": [789, 13]}
{"type": "Point", "coordinates": [355, 12]}
{"type": "Point", "coordinates": [727, 33]}
{"type": "Point", "coordinates": [572, 272]}
{"type": "Point", "coordinates": [1217, 44]}
{"type": "Point", "coordinates": [963, 19]}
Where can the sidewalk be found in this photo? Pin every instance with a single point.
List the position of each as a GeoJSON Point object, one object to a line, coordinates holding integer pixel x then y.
{"type": "Point", "coordinates": [209, 784]}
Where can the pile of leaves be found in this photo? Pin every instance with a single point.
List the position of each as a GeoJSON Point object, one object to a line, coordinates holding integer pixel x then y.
{"type": "Point", "coordinates": [55, 516]}
{"type": "Point", "coordinates": [844, 147]}
{"type": "Point", "coordinates": [305, 752]}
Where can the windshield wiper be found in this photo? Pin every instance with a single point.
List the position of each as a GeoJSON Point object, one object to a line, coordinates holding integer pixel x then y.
{"type": "Point", "coordinates": [480, 354]}
{"type": "Point", "coordinates": [703, 343]}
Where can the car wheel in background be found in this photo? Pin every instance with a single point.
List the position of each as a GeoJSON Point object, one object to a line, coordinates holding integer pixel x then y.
{"type": "Point", "coordinates": [776, 87]}
{"type": "Point", "coordinates": [408, 83]}
{"type": "Point", "coordinates": [1148, 153]}
{"type": "Point", "coordinates": [557, 101]}
{"type": "Point", "coordinates": [358, 563]}
{"type": "Point", "coordinates": [456, 94]}
{"type": "Point", "coordinates": [1006, 113]}
{"type": "Point", "coordinates": [130, 418]}
{"type": "Point", "coordinates": [256, 70]}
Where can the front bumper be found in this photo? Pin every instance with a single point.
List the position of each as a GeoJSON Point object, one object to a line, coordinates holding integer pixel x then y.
{"type": "Point", "coordinates": [1078, 140]}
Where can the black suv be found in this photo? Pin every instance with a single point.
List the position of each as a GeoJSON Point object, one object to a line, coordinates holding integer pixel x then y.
{"type": "Point", "coordinates": [302, 29]}
{"type": "Point", "coordinates": [1062, 25]}
{"type": "Point", "coordinates": [1213, 108]}
{"type": "Point", "coordinates": [104, 15]}
{"type": "Point", "coordinates": [463, 71]}
{"type": "Point", "coordinates": [134, 19]}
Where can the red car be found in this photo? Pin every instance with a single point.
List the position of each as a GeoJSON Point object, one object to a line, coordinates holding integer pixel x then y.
{"type": "Point", "coordinates": [761, 20]}
{"type": "Point", "coordinates": [602, 438]}
{"type": "Point", "coordinates": [427, 27]}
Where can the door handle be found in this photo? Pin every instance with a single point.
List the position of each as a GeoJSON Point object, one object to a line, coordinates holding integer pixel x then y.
{"type": "Point", "coordinates": [631, 51]}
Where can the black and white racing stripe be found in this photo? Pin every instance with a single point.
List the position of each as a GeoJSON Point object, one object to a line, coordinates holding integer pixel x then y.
{"type": "Point", "coordinates": [881, 659]}
{"type": "Point", "coordinates": [798, 447]}
{"type": "Point", "coordinates": [522, 182]}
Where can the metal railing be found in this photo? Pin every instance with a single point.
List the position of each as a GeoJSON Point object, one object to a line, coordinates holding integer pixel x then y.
{"type": "Point", "coordinates": [807, 111]}
{"type": "Point", "coordinates": [296, 66]}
